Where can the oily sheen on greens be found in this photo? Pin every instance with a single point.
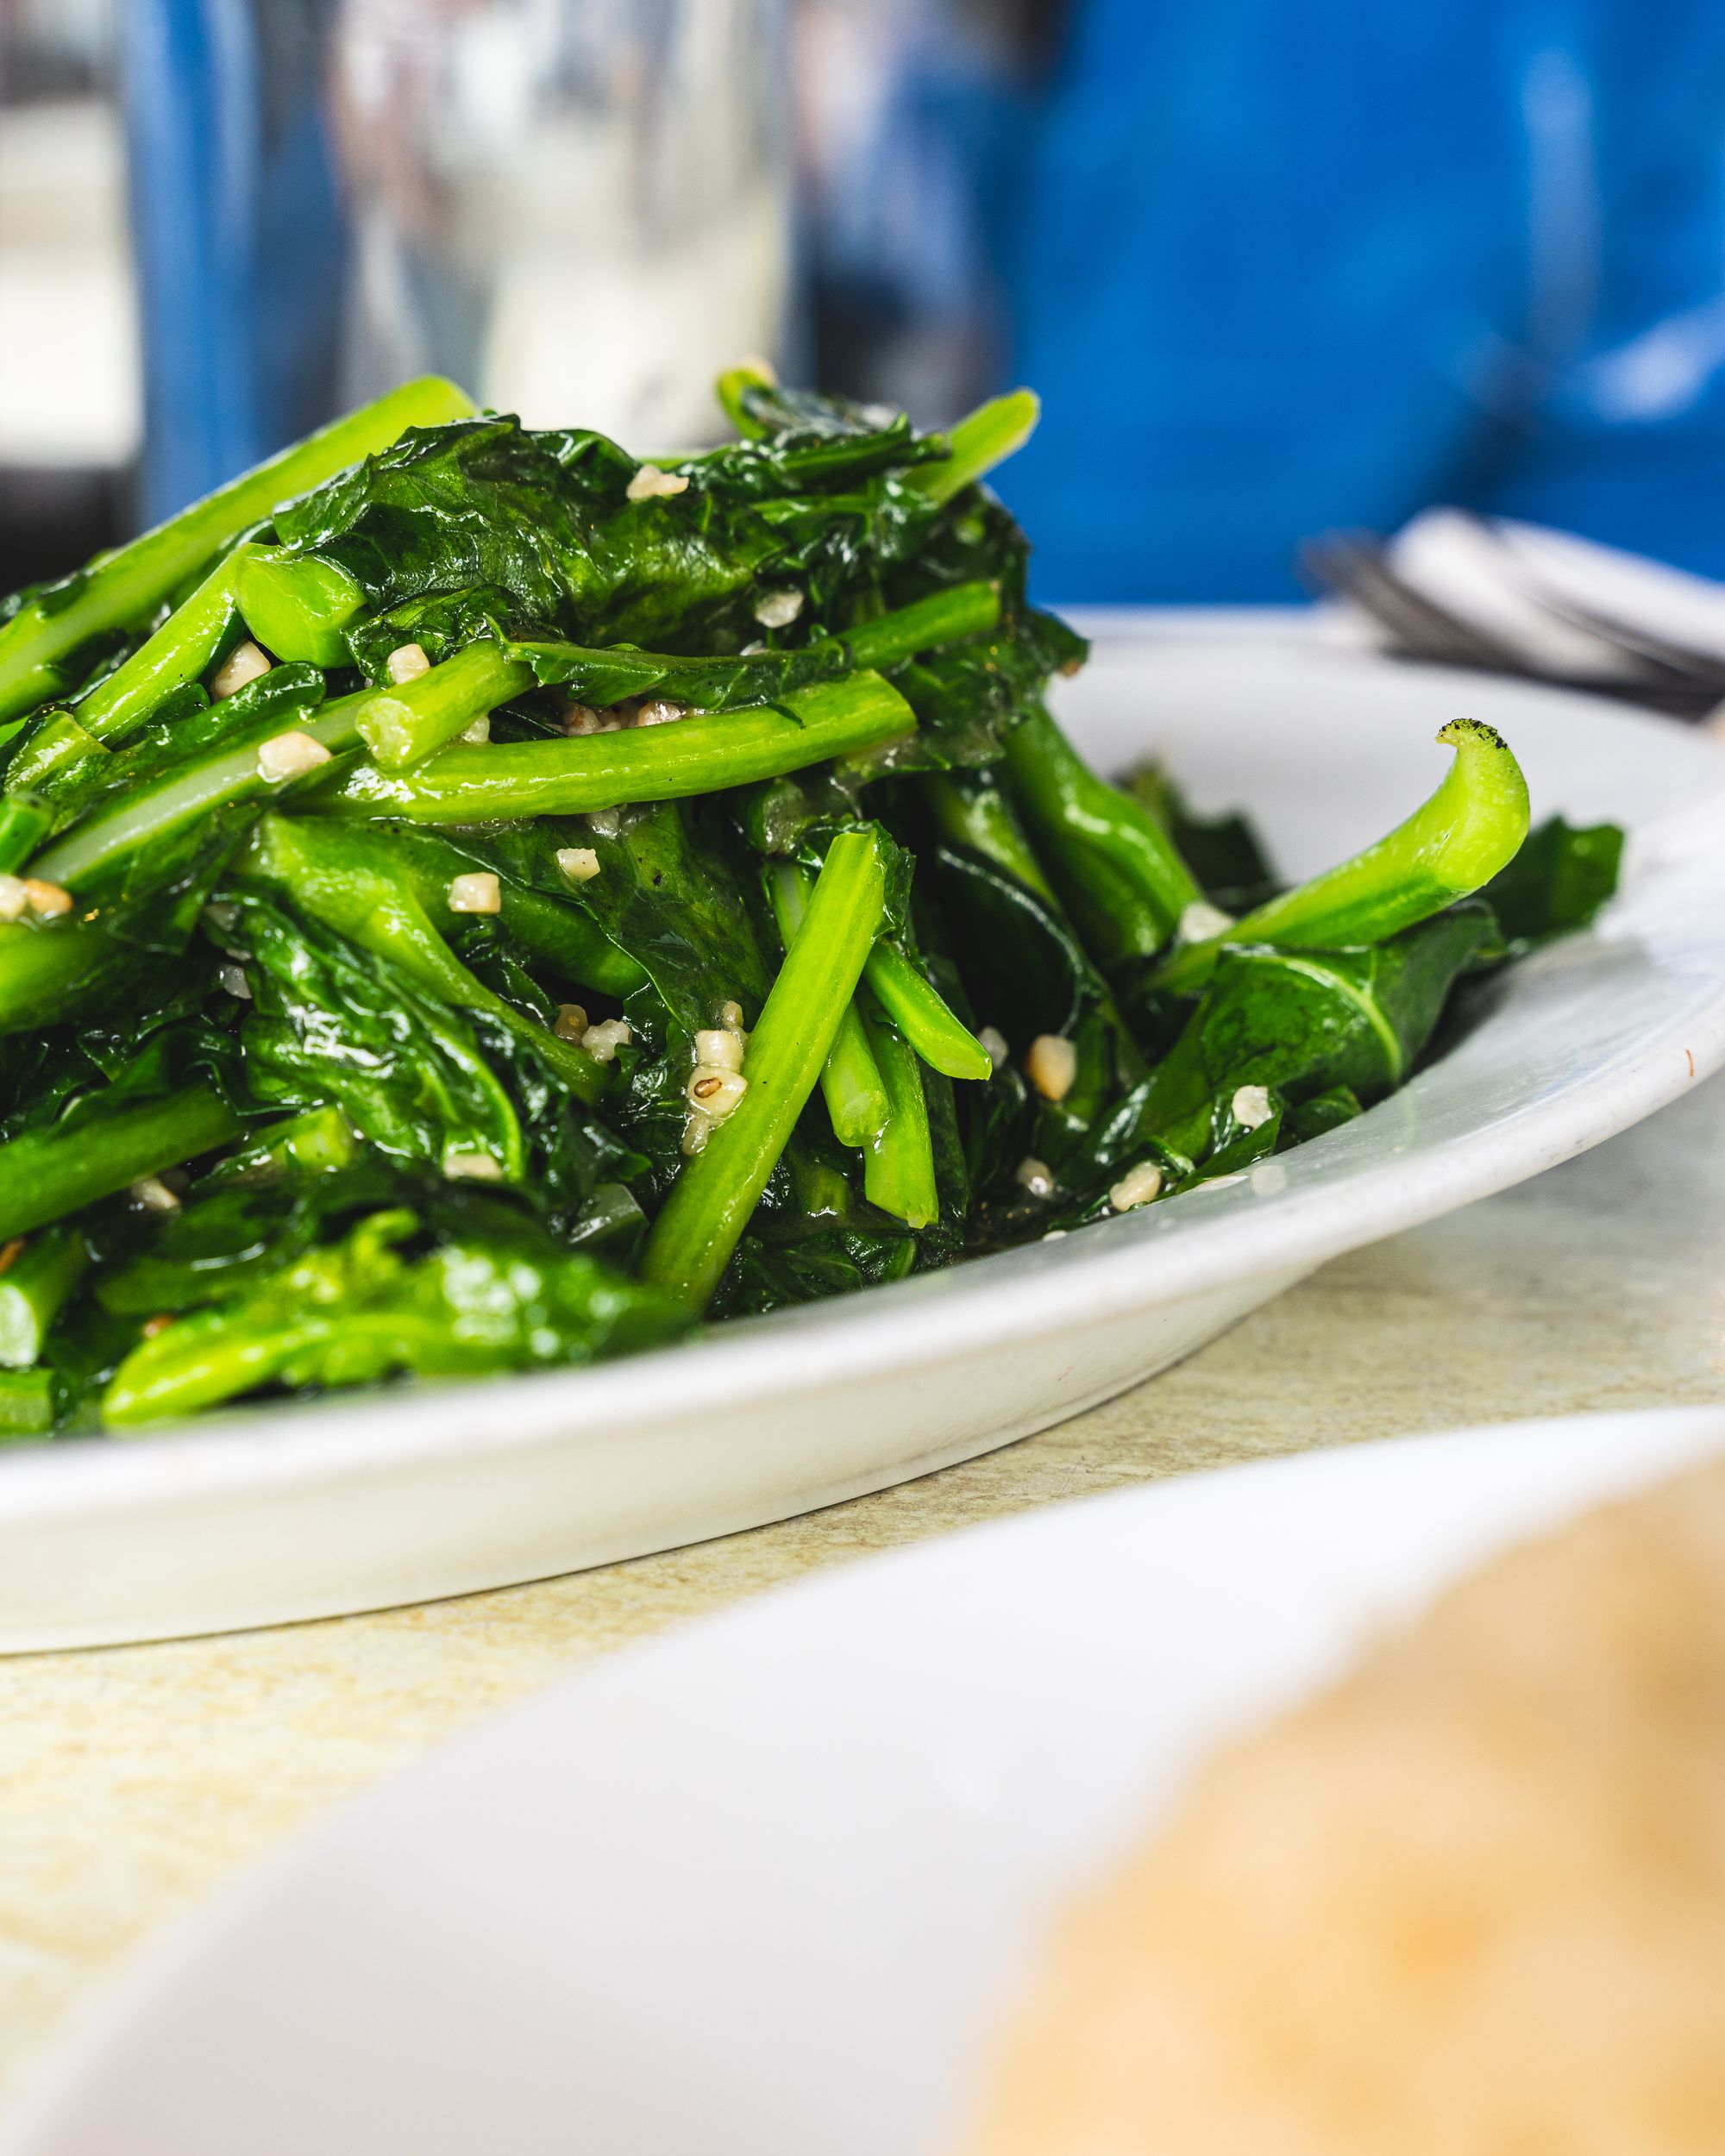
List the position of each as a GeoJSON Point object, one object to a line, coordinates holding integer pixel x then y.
{"type": "Point", "coordinates": [626, 896]}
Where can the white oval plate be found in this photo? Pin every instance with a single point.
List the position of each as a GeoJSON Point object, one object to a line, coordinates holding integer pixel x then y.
{"type": "Point", "coordinates": [365, 1501]}
{"type": "Point", "coordinates": [761, 1887]}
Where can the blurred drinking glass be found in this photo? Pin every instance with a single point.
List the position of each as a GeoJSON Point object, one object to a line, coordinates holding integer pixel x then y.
{"type": "Point", "coordinates": [578, 209]}
{"type": "Point", "coordinates": [581, 209]}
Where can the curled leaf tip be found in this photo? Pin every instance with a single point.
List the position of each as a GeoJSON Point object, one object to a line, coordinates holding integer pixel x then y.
{"type": "Point", "coordinates": [1461, 729]}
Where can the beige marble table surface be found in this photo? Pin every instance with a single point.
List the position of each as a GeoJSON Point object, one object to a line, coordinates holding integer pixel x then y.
{"type": "Point", "coordinates": [134, 1781]}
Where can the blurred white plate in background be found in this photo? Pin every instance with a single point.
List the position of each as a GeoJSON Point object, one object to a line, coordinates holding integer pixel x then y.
{"type": "Point", "coordinates": [761, 1888]}
{"type": "Point", "coordinates": [366, 1500]}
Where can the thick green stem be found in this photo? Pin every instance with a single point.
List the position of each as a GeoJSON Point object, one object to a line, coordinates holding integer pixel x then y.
{"type": "Point", "coordinates": [27, 1408]}
{"type": "Point", "coordinates": [702, 1219]}
{"type": "Point", "coordinates": [1452, 845]}
{"type": "Point", "coordinates": [918, 1013]}
{"type": "Point", "coordinates": [510, 780]}
{"type": "Point", "coordinates": [190, 793]}
{"type": "Point", "coordinates": [1117, 869]}
{"type": "Point", "coordinates": [403, 726]}
{"type": "Point", "coordinates": [47, 972]}
{"type": "Point", "coordinates": [607, 675]}
{"type": "Point", "coordinates": [299, 606]}
{"type": "Point", "coordinates": [187, 643]}
{"type": "Point", "coordinates": [121, 590]}
{"type": "Point", "coordinates": [33, 1289]}
{"type": "Point", "coordinates": [962, 610]}
{"type": "Point", "coordinates": [47, 1174]}
{"type": "Point", "coordinates": [985, 438]}
{"type": "Point", "coordinates": [973, 812]}
{"type": "Point", "coordinates": [850, 1080]}
{"type": "Point", "coordinates": [23, 825]}
{"type": "Point", "coordinates": [898, 1170]}
{"type": "Point", "coordinates": [366, 891]}
{"type": "Point", "coordinates": [729, 389]}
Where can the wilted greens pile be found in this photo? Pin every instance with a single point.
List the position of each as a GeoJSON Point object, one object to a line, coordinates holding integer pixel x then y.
{"type": "Point", "coordinates": [474, 901]}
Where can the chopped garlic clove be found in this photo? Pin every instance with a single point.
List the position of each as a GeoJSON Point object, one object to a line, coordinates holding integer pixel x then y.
{"type": "Point", "coordinates": [602, 1041]}
{"type": "Point", "coordinates": [649, 481]}
{"type": "Point", "coordinates": [714, 1091]}
{"type": "Point", "coordinates": [778, 610]}
{"type": "Point", "coordinates": [46, 901]}
{"type": "Point", "coordinates": [1051, 1066]}
{"type": "Point", "coordinates": [1201, 921]}
{"type": "Point", "coordinates": [580, 864]}
{"type": "Point", "coordinates": [1135, 1187]}
{"type": "Point", "coordinates": [473, 1167]}
{"type": "Point", "coordinates": [285, 756]}
{"type": "Point", "coordinates": [1251, 1108]}
{"type": "Point", "coordinates": [721, 1048]}
{"type": "Point", "coordinates": [1036, 1177]}
{"type": "Point", "coordinates": [245, 662]}
{"type": "Point", "coordinates": [478, 893]}
{"type": "Point", "coordinates": [406, 663]}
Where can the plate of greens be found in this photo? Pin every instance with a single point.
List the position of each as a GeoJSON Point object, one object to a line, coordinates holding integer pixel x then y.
{"type": "Point", "coordinates": [553, 1005]}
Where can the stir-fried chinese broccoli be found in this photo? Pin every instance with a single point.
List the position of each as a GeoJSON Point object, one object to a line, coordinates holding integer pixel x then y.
{"type": "Point", "coordinates": [471, 900]}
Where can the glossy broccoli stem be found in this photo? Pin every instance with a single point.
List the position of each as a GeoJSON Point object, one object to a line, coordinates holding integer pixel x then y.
{"type": "Point", "coordinates": [23, 825]}
{"type": "Point", "coordinates": [962, 610]}
{"type": "Point", "coordinates": [1472, 826]}
{"type": "Point", "coordinates": [710, 1203]}
{"type": "Point", "coordinates": [298, 607]}
{"type": "Point", "coordinates": [402, 726]}
{"type": "Point", "coordinates": [729, 388]}
{"type": "Point", "coordinates": [26, 1407]}
{"type": "Point", "coordinates": [47, 1174]}
{"type": "Point", "coordinates": [47, 972]}
{"type": "Point", "coordinates": [917, 1010]}
{"type": "Point", "coordinates": [897, 1168]}
{"type": "Point", "coordinates": [1117, 867]}
{"type": "Point", "coordinates": [187, 643]}
{"type": "Point", "coordinates": [703, 755]}
{"type": "Point", "coordinates": [850, 1080]}
{"type": "Point", "coordinates": [984, 438]}
{"type": "Point", "coordinates": [121, 590]}
{"type": "Point", "coordinates": [971, 811]}
{"type": "Point", "coordinates": [352, 880]}
{"type": "Point", "coordinates": [187, 794]}
{"type": "Point", "coordinates": [34, 1286]}
{"type": "Point", "coordinates": [607, 675]}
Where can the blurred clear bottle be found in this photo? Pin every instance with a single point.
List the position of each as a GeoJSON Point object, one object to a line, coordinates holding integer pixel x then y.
{"type": "Point", "coordinates": [580, 209]}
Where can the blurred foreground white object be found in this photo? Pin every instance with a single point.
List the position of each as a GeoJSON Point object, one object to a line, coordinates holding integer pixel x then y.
{"type": "Point", "coordinates": [765, 1885]}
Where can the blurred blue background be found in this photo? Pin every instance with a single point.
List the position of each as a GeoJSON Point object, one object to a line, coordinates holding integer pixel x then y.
{"type": "Point", "coordinates": [1276, 269]}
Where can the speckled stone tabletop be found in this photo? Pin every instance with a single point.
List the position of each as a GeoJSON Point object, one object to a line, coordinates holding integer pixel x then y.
{"type": "Point", "coordinates": [134, 1781]}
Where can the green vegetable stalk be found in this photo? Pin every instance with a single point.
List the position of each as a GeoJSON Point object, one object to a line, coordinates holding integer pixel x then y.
{"type": "Point", "coordinates": [45, 1174]}
{"type": "Point", "coordinates": [186, 646]}
{"type": "Point", "coordinates": [1117, 867]}
{"type": "Point", "coordinates": [700, 1222]}
{"type": "Point", "coordinates": [701, 755]}
{"type": "Point", "coordinates": [120, 591]}
{"type": "Point", "coordinates": [1449, 847]}
{"type": "Point", "coordinates": [850, 1080]}
{"type": "Point", "coordinates": [985, 438]}
{"type": "Point", "coordinates": [917, 1010]}
{"type": "Point", "coordinates": [298, 609]}
{"type": "Point", "coordinates": [898, 1171]}
{"type": "Point", "coordinates": [403, 726]}
{"type": "Point", "coordinates": [34, 1286]}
